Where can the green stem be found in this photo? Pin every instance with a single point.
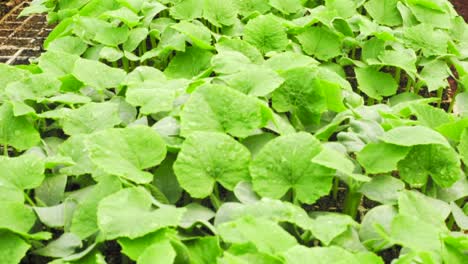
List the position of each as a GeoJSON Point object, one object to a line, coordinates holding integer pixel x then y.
{"type": "Point", "coordinates": [153, 42]}
{"type": "Point", "coordinates": [450, 222]}
{"type": "Point", "coordinates": [440, 95]}
{"type": "Point", "coordinates": [125, 64]}
{"type": "Point", "coordinates": [417, 87]}
{"type": "Point", "coordinates": [29, 200]}
{"type": "Point", "coordinates": [370, 101]}
{"type": "Point", "coordinates": [409, 84]}
{"type": "Point", "coordinates": [398, 76]}
{"type": "Point", "coordinates": [336, 183]}
{"type": "Point", "coordinates": [214, 197]}
{"type": "Point", "coordinates": [352, 202]}
{"type": "Point", "coordinates": [5, 150]}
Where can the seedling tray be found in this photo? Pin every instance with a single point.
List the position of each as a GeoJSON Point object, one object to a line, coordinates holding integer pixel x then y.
{"type": "Point", "coordinates": [21, 38]}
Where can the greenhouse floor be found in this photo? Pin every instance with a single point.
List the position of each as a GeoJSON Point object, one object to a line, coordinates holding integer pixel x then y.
{"type": "Point", "coordinates": [21, 38]}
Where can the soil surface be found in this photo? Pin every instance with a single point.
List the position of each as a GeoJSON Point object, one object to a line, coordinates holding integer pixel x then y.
{"type": "Point", "coordinates": [462, 7]}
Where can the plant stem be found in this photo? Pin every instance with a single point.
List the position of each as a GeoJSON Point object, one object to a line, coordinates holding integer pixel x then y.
{"type": "Point", "coordinates": [29, 200]}
{"type": "Point", "coordinates": [214, 197]}
{"type": "Point", "coordinates": [409, 84]}
{"type": "Point", "coordinates": [352, 202]}
{"type": "Point", "coordinates": [370, 101]}
{"type": "Point", "coordinates": [336, 183]}
{"type": "Point", "coordinates": [5, 150]}
{"type": "Point", "coordinates": [440, 95]}
{"type": "Point", "coordinates": [153, 42]}
{"type": "Point", "coordinates": [398, 75]}
{"type": "Point", "coordinates": [450, 222]}
{"type": "Point", "coordinates": [417, 87]}
{"type": "Point", "coordinates": [125, 64]}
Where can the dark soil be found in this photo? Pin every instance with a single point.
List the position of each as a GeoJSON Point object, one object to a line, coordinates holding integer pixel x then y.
{"type": "Point", "coordinates": [462, 7]}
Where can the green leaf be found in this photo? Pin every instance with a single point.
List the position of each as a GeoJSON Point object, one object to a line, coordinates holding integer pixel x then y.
{"type": "Point", "coordinates": [84, 221]}
{"type": "Point", "coordinates": [335, 160]}
{"type": "Point", "coordinates": [343, 8]}
{"type": "Point", "coordinates": [198, 33]}
{"type": "Point", "coordinates": [372, 49]}
{"type": "Point", "coordinates": [16, 131]}
{"type": "Point", "coordinates": [210, 157]}
{"type": "Point", "coordinates": [137, 35]}
{"type": "Point", "coordinates": [288, 60]}
{"type": "Point", "coordinates": [430, 116]}
{"type": "Point", "coordinates": [98, 75]}
{"type": "Point", "coordinates": [118, 214]}
{"type": "Point", "coordinates": [12, 247]}
{"type": "Point", "coordinates": [126, 152]}
{"type": "Point", "coordinates": [376, 220]}
{"type": "Point", "coordinates": [403, 58]}
{"type": "Point", "coordinates": [385, 12]}
{"type": "Point", "coordinates": [34, 87]}
{"type": "Point", "coordinates": [320, 42]}
{"type": "Point", "coordinates": [415, 234]}
{"type": "Point", "coordinates": [221, 109]}
{"type": "Point", "coordinates": [153, 97]}
{"type": "Point", "coordinates": [432, 42]}
{"type": "Point", "coordinates": [460, 107]}
{"type": "Point", "coordinates": [133, 248]}
{"type": "Point", "coordinates": [438, 161]}
{"type": "Point", "coordinates": [220, 12]}
{"type": "Point", "coordinates": [460, 217]}
{"type": "Point", "coordinates": [230, 62]}
{"type": "Point", "coordinates": [58, 63]}
{"type": "Point", "coordinates": [302, 94]}
{"type": "Point", "coordinates": [254, 80]}
{"type": "Point", "coordinates": [77, 149]}
{"type": "Point", "coordinates": [285, 163]}
{"type": "Point", "coordinates": [375, 83]}
{"type": "Point", "coordinates": [125, 15]}
{"type": "Point", "coordinates": [413, 135]}
{"type": "Point", "coordinates": [63, 246]}
{"type": "Point", "coordinates": [463, 146]}
{"type": "Point", "coordinates": [91, 117]}
{"type": "Point", "coordinates": [166, 180]}
{"type": "Point", "coordinates": [286, 6]}
{"type": "Point", "coordinates": [437, 17]}
{"type": "Point", "coordinates": [16, 217]}
{"type": "Point", "coordinates": [381, 157]}
{"type": "Point", "coordinates": [247, 8]}
{"type": "Point", "coordinates": [67, 44]}
{"type": "Point", "coordinates": [384, 189]}
{"type": "Point", "coordinates": [327, 226]}
{"type": "Point", "coordinates": [204, 250]}
{"type": "Point", "coordinates": [54, 216]}
{"type": "Point", "coordinates": [158, 253]}
{"type": "Point", "coordinates": [267, 236]}
{"type": "Point", "coordinates": [266, 33]}
{"type": "Point", "coordinates": [425, 208]}
{"type": "Point", "coordinates": [321, 255]}
{"type": "Point", "coordinates": [189, 64]}
{"type": "Point", "coordinates": [194, 214]}
{"type": "Point", "coordinates": [226, 44]}
{"type": "Point", "coordinates": [23, 172]}
{"type": "Point", "coordinates": [187, 9]}
{"type": "Point", "coordinates": [10, 74]}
